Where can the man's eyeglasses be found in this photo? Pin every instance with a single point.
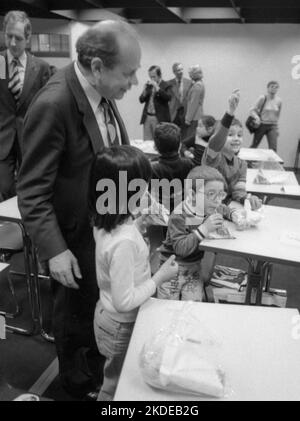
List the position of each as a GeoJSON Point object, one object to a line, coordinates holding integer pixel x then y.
{"type": "Point", "coordinates": [212, 195]}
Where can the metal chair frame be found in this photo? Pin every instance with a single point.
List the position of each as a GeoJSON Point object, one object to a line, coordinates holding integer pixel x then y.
{"type": "Point", "coordinates": [33, 289]}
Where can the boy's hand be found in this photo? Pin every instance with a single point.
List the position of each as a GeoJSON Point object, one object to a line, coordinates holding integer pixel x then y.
{"type": "Point", "coordinates": [212, 223]}
{"type": "Point", "coordinates": [233, 101]}
{"type": "Point", "coordinates": [255, 202]}
{"type": "Point", "coordinates": [200, 133]}
{"type": "Point", "coordinates": [167, 271]}
{"type": "Point", "coordinates": [188, 154]}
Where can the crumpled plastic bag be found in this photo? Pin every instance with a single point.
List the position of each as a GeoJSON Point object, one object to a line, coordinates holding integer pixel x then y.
{"type": "Point", "coordinates": [183, 358]}
{"type": "Point", "coordinates": [153, 212]}
{"type": "Point", "coordinates": [221, 233]}
{"type": "Point", "coordinates": [246, 218]}
{"type": "Point", "coordinates": [264, 178]}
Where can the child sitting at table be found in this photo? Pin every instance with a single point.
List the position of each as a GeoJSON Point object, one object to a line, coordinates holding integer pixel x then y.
{"type": "Point", "coordinates": [170, 165]}
{"type": "Point", "coordinates": [221, 153]}
{"type": "Point", "coordinates": [205, 129]}
{"type": "Point", "coordinates": [122, 256]}
{"type": "Point", "coordinates": [199, 215]}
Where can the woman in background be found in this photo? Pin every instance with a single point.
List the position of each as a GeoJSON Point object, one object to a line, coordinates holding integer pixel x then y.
{"type": "Point", "coordinates": [266, 113]}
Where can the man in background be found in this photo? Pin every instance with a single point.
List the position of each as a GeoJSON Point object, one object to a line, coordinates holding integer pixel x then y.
{"type": "Point", "coordinates": [69, 122]}
{"type": "Point", "coordinates": [155, 96]}
{"type": "Point", "coordinates": [179, 87]}
{"type": "Point", "coordinates": [22, 76]}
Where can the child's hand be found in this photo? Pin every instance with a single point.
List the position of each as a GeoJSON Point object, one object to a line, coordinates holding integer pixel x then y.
{"type": "Point", "coordinates": [188, 154]}
{"type": "Point", "coordinates": [233, 101]}
{"type": "Point", "coordinates": [166, 272]}
{"type": "Point", "coordinates": [201, 132]}
{"type": "Point", "coordinates": [255, 202]}
{"type": "Point", "coordinates": [212, 223]}
{"type": "Point", "coordinates": [142, 223]}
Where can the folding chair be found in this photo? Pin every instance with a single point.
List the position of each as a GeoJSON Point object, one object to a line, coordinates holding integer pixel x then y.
{"type": "Point", "coordinates": [14, 239]}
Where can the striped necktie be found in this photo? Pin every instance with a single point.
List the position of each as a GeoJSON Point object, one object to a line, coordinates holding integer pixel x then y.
{"type": "Point", "coordinates": [110, 123]}
{"type": "Point", "coordinates": [14, 83]}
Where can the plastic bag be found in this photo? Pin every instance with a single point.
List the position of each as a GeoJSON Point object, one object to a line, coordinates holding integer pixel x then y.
{"type": "Point", "coordinates": [246, 218]}
{"type": "Point", "coordinates": [264, 178]}
{"type": "Point", "coordinates": [153, 212]}
{"type": "Point", "coordinates": [183, 358]}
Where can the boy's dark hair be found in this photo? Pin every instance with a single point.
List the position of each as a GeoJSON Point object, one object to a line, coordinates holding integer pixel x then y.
{"type": "Point", "coordinates": [107, 165]}
{"type": "Point", "coordinates": [236, 122]}
{"type": "Point", "coordinates": [272, 82]}
{"type": "Point", "coordinates": [206, 174]}
{"type": "Point", "coordinates": [208, 121]}
{"type": "Point", "coordinates": [167, 138]}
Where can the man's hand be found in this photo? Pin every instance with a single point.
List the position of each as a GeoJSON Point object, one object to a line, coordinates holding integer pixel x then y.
{"type": "Point", "coordinates": [63, 268]}
{"type": "Point", "coordinates": [233, 101]}
{"type": "Point", "coordinates": [155, 86]}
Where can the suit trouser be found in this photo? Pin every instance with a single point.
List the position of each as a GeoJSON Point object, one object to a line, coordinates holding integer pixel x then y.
{"type": "Point", "coordinates": [189, 131]}
{"type": "Point", "coordinates": [8, 168]}
{"type": "Point", "coordinates": [79, 359]}
{"type": "Point", "coordinates": [149, 127]}
{"type": "Point", "coordinates": [271, 131]}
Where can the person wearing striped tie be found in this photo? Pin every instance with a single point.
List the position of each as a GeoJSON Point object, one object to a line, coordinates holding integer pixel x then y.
{"type": "Point", "coordinates": [23, 77]}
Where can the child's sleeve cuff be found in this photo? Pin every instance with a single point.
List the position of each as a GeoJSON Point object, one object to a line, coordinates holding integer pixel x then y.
{"type": "Point", "coordinates": [227, 120]}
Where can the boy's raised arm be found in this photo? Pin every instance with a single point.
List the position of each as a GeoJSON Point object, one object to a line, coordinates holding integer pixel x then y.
{"type": "Point", "coordinates": [218, 140]}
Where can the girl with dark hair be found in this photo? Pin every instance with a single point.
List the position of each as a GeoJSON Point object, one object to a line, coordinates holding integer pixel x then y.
{"type": "Point", "coordinates": [122, 256]}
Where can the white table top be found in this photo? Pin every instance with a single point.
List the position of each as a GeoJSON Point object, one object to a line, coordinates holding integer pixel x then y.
{"type": "Point", "coordinates": [288, 187]}
{"type": "Point", "coordinates": [261, 360]}
{"type": "Point", "coordinates": [249, 154]}
{"type": "Point", "coordinates": [147, 146]}
{"type": "Point", "coordinates": [10, 208]}
{"type": "Point", "coordinates": [265, 241]}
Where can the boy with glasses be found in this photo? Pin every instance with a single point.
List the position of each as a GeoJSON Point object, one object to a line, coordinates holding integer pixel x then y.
{"type": "Point", "coordinates": [199, 215]}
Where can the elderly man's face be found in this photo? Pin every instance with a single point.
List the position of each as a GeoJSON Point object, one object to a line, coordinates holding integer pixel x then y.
{"type": "Point", "coordinates": [15, 38]}
{"type": "Point", "coordinates": [178, 71]}
{"type": "Point", "coordinates": [114, 83]}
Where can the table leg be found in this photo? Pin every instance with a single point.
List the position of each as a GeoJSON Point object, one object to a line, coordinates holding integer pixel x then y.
{"type": "Point", "coordinates": [257, 273]}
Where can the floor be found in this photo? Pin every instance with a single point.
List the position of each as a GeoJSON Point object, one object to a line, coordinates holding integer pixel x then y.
{"type": "Point", "coordinates": [29, 363]}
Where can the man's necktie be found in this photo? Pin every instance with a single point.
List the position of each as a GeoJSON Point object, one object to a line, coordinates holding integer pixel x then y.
{"type": "Point", "coordinates": [110, 123]}
{"type": "Point", "coordinates": [151, 107]}
{"type": "Point", "coordinates": [14, 83]}
{"type": "Point", "coordinates": [180, 90]}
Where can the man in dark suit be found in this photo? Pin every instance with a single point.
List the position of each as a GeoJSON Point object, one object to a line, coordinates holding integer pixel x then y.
{"type": "Point", "coordinates": [23, 76]}
{"type": "Point", "coordinates": [65, 128]}
{"type": "Point", "coordinates": [156, 96]}
{"type": "Point", "coordinates": [179, 87]}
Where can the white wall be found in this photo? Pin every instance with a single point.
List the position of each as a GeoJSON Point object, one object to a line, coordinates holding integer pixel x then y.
{"type": "Point", "coordinates": [232, 56]}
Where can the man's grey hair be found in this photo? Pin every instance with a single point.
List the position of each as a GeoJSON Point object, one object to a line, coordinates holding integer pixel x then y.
{"type": "Point", "coordinates": [102, 40]}
{"type": "Point", "coordinates": [18, 16]}
{"type": "Point", "coordinates": [175, 65]}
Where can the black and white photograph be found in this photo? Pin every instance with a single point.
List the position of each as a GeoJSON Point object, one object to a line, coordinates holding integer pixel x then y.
{"type": "Point", "coordinates": [149, 203]}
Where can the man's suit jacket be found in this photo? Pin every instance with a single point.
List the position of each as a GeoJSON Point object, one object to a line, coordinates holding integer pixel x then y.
{"type": "Point", "coordinates": [195, 102]}
{"type": "Point", "coordinates": [61, 138]}
{"type": "Point", "coordinates": [161, 99]}
{"type": "Point", "coordinates": [175, 102]}
{"type": "Point", "coordinates": [37, 73]}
